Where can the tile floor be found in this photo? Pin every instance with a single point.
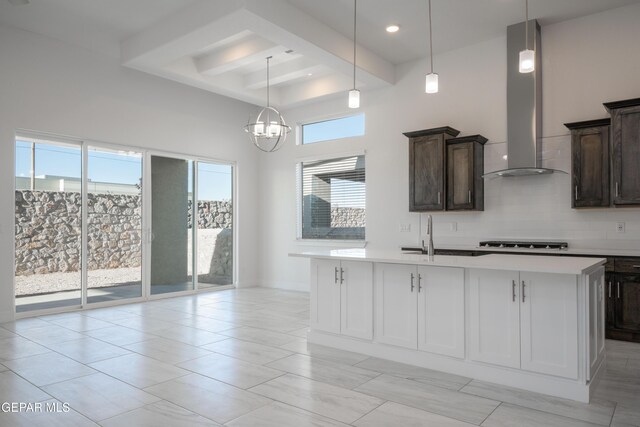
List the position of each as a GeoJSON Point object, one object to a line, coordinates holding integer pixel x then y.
{"type": "Point", "coordinates": [240, 358]}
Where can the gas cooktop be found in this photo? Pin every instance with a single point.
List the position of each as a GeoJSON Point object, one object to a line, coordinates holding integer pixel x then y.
{"type": "Point", "coordinates": [523, 244]}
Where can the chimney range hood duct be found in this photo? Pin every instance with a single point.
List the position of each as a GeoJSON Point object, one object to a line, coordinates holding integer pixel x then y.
{"type": "Point", "coordinates": [524, 107]}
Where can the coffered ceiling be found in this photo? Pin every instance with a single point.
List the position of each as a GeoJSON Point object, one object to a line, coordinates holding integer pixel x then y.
{"type": "Point", "coordinates": [221, 45]}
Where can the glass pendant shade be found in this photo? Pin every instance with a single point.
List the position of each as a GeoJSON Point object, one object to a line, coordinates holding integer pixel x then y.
{"type": "Point", "coordinates": [268, 131]}
{"type": "Point", "coordinates": [431, 83]}
{"type": "Point", "coordinates": [527, 61]}
{"type": "Point", "coordinates": [354, 98]}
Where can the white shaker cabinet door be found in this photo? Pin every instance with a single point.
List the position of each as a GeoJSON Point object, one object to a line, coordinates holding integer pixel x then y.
{"type": "Point", "coordinates": [396, 305]}
{"type": "Point", "coordinates": [549, 323]}
{"type": "Point", "coordinates": [357, 299]}
{"type": "Point", "coordinates": [441, 310]}
{"type": "Point", "coordinates": [325, 295]}
{"type": "Point", "coordinates": [494, 317]}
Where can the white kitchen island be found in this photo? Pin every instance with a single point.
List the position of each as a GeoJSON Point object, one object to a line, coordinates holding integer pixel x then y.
{"type": "Point", "coordinates": [532, 322]}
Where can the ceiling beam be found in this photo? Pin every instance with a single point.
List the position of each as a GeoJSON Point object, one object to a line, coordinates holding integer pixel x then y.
{"type": "Point", "coordinates": [287, 25]}
{"type": "Point", "coordinates": [315, 89]}
{"type": "Point", "coordinates": [236, 55]}
{"type": "Point", "coordinates": [196, 28]}
{"type": "Point", "coordinates": [210, 25]}
{"type": "Point", "coordinates": [282, 73]}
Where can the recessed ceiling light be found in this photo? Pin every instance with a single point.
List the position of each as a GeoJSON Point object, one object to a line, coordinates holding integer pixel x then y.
{"type": "Point", "coordinates": [393, 28]}
{"type": "Point", "coordinates": [309, 74]}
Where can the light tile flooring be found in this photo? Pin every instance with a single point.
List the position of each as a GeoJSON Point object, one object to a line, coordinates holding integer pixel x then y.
{"type": "Point", "coordinates": [240, 358]}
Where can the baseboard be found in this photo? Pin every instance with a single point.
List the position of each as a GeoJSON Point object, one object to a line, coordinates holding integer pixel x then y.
{"type": "Point", "coordinates": [7, 316]}
{"type": "Point", "coordinates": [289, 286]}
{"type": "Point", "coordinates": [244, 285]}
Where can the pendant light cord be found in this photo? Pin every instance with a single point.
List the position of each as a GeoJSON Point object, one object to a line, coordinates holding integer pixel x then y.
{"type": "Point", "coordinates": [430, 38]}
{"type": "Point", "coordinates": [526, 24]}
{"type": "Point", "coordinates": [355, 9]}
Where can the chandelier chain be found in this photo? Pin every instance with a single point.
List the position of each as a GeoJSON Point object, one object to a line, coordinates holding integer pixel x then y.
{"type": "Point", "coordinates": [268, 100]}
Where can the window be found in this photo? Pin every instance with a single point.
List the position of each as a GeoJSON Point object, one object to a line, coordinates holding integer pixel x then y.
{"type": "Point", "coordinates": [344, 127]}
{"type": "Point", "coordinates": [333, 198]}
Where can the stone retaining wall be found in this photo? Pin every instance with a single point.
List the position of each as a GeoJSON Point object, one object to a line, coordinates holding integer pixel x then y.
{"type": "Point", "coordinates": [48, 226]}
{"type": "Point", "coordinates": [347, 217]}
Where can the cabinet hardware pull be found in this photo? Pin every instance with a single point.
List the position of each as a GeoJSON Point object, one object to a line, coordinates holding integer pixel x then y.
{"type": "Point", "coordinates": [617, 190]}
{"type": "Point", "coordinates": [523, 286]}
{"type": "Point", "coordinates": [412, 277]}
{"type": "Point", "coordinates": [618, 285]}
{"type": "Point", "coordinates": [469, 196]}
{"type": "Point", "coordinates": [576, 193]}
{"type": "Point", "coordinates": [341, 276]}
{"type": "Point", "coordinates": [609, 289]}
{"type": "Point", "coordinates": [335, 275]}
{"type": "Point", "coordinates": [419, 282]}
{"type": "Point", "coordinates": [438, 197]}
{"type": "Point", "coordinates": [513, 290]}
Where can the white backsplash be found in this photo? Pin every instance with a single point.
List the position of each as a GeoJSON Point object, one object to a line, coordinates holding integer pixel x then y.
{"type": "Point", "coordinates": [537, 207]}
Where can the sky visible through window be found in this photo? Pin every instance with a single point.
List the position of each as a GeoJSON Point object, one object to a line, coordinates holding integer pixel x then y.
{"type": "Point", "coordinates": [344, 127]}
{"type": "Point", "coordinates": [116, 168]}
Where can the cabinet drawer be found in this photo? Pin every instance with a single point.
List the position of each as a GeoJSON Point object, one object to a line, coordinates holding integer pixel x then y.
{"type": "Point", "coordinates": [627, 265]}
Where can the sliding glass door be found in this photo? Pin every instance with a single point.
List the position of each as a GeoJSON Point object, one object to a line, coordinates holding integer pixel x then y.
{"type": "Point", "coordinates": [114, 224]}
{"type": "Point", "coordinates": [214, 221]}
{"type": "Point", "coordinates": [48, 224]}
{"type": "Point", "coordinates": [171, 231]}
{"type": "Point", "coordinates": [92, 228]}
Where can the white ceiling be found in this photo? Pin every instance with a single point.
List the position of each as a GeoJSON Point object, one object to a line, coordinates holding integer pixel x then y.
{"type": "Point", "coordinates": [221, 45]}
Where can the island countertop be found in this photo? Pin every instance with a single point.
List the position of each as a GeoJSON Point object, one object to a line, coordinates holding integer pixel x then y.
{"type": "Point", "coordinates": [538, 263]}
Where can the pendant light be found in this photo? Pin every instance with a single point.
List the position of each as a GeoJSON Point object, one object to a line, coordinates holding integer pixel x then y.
{"type": "Point", "coordinates": [268, 131]}
{"type": "Point", "coordinates": [431, 81]}
{"type": "Point", "coordinates": [527, 56]}
{"type": "Point", "coordinates": [354, 94]}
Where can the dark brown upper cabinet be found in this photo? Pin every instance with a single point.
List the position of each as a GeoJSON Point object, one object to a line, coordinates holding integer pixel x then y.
{"type": "Point", "coordinates": [427, 161]}
{"type": "Point", "coordinates": [625, 144]}
{"type": "Point", "coordinates": [465, 166]}
{"type": "Point", "coordinates": [590, 163]}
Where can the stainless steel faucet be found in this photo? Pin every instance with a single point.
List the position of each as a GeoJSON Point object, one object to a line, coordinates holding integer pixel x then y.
{"type": "Point", "coordinates": [429, 248]}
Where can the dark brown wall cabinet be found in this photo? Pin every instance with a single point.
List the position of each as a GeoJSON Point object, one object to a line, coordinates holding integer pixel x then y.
{"type": "Point", "coordinates": [625, 143]}
{"type": "Point", "coordinates": [427, 178]}
{"type": "Point", "coordinates": [445, 172]}
{"type": "Point", "coordinates": [465, 166]}
{"type": "Point", "coordinates": [590, 163]}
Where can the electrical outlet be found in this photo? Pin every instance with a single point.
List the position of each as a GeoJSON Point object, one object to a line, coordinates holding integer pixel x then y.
{"type": "Point", "coordinates": [454, 226]}
{"type": "Point", "coordinates": [620, 227]}
{"type": "Point", "coordinates": [405, 228]}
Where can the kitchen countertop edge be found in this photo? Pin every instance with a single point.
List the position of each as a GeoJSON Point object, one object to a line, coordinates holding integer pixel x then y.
{"type": "Point", "coordinates": [510, 262]}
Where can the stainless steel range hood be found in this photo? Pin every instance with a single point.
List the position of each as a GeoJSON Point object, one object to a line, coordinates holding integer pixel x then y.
{"type": "Point", "coordinates": [524, 107]}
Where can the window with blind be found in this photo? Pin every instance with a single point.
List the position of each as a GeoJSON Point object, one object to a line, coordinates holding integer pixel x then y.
{"type": "Point", "coordinates": [333, 198]}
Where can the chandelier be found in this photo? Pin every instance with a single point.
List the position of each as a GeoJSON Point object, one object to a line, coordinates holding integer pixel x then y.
{"type": "Point", "coordinates": [268, 131]}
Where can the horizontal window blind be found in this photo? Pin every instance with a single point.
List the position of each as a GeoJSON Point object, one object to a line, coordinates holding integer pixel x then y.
{"type": "Point", "coordinates": [334, 199]}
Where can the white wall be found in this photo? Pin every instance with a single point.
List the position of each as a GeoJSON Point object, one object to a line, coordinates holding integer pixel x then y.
{"type": "Point", "coordinates": [49, 86]}
{"type": "Point", "coordinates": [586, 62]}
